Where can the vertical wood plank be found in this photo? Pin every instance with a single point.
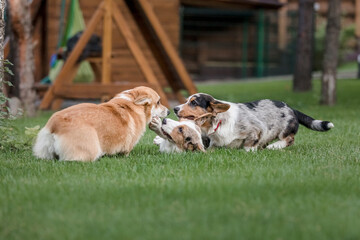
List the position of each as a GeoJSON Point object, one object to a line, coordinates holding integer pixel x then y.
{"type": "Point", "coordinates": [6, 47]}
{"type": "Point", "coordinates": [137, 53]}
{"type": "Point", "coordinates": [107, 44]}
{"type": "Point", "coordinates": [282, 23]}
{"type": "Point", "coordinates": [167, 46]}
{"type": "Point", "coordinates": [56, 104]}
{"type": "Point", "coordinates": [357, 18]}
{"type": "Point", "coordinates": [71, 61]}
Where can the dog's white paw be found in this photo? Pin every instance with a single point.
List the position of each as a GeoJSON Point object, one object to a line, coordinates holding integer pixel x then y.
{"type": "Point", "coordinates": [277, 145]}
{"type": "Point", "coordinates": [155, 123]}
{"type": "Point", "coordinates": [250, 149]}
{"type": "Point", "coordinates": [158, 140]}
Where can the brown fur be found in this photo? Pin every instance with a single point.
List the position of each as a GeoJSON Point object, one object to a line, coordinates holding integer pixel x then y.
{"type": "Point", "coordinates": [174, 136]}
{"type": "Point", "coordinates": [87, 131]}
{"type": "Point", "coordinates": [192, 112]}
{"type": "Point", "coordinates": [180, 139]}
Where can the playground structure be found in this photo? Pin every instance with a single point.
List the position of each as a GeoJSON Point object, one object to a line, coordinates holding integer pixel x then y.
{"type": "Point", "coordinates": [104, 86]}
{"type": "Point", "coordinates": [140, 40]}
{"type": "Point", "coordinates": [136, 50]}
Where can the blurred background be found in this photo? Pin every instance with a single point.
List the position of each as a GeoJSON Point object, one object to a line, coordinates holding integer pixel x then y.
{"type": "Point", "coordinates": [181, 42]}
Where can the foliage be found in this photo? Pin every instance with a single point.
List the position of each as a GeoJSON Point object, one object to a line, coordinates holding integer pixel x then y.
{"type": "Point", "coordinates": [3, 99]}
{"type": "Point", "coordinates": [10, 139]}
{"type": "Point", "coordinates": [9, 133]}
{"type": "Point", "coordinates": [346, 44]}
{"type": "Point", "coordinates": [307, 191]}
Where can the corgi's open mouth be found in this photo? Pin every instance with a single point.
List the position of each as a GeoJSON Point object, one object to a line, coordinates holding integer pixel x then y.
{"type": "Point", "coordinates": [167, 135]}
{"type": "Point", "coordinates": [190, 117]}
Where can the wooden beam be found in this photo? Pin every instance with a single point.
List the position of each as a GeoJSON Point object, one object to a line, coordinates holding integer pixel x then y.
{"type": "Point", "coordinates": [168, 48]}
{"type": "Point", "coordinates": [72, 60]}
{"type": "Point", "coordinates": [50, 95]}
{"type": "Point", "coordinates": [56, 104]}
{"type": "Point", "coordinates": [6, 48]}
{"type": "Point", "coordinates": [107, 44]}
{"type": "Point", "coordinates": [159, 54]}
{"type": "Point", "coordinates": [282, 25]}
{"type": "Point", "coordinates": [95, 90]}
{"type": "Point", "coordinates": [137, 53]}
{"type": "Point", "coordinates": [357, 19]}
{"type": "Point", "coordinates": [234, 4]}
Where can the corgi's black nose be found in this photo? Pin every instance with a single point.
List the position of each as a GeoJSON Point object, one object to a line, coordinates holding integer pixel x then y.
{"type": "Point", "coordinates": [164, 121]}
{"type": "Point", "coordinates": [168, 112]}
{"type": "Point", "coordinates": [176, 110]}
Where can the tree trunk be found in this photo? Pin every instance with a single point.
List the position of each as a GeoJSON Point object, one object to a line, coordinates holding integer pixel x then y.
{"type": "Point", "coordinates": [357, 32]}
{"type": "Point", "coordinates": [2, 37]}
{"type": "Point", "coordinates": [328, 80]}
{"type": "Point", "coordinates": [22, 28]}
{"type": "Point", "coordinates": [2, 75]}
{"type": "Point", "coordinates": [304, 51]}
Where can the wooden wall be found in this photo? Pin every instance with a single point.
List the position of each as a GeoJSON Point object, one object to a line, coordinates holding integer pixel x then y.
{"type": "Point", "coordinates": [124, 67]}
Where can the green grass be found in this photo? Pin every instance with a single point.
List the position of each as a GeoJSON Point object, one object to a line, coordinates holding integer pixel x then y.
{"type": "Point", "coordinates": [310, 190]}
{"type": "Point", "coordinates": [349, 66]}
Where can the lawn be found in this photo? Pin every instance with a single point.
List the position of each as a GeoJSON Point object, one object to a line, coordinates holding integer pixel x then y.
{"type": "Point", "coordinates": [310, 190]}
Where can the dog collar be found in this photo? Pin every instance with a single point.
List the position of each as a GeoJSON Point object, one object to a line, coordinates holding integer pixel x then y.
{"type": "Point", "coordinates": [218, 125]}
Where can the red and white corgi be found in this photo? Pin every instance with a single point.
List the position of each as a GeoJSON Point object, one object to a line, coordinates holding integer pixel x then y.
{"type": "Point", "coordinates": [86, 131]}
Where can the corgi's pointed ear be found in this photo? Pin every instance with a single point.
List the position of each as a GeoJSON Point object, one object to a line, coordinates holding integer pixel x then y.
{"type": "Point", "coordinates": [203, 119]}
{"type": "Point", "coordinates": [219, 107]}
{"type": "Point", "coordinates": [142, 100]}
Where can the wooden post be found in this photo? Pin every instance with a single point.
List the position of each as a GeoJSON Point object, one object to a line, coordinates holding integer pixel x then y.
{"type": "Point", "coordinates": [357, 23]}
{"type": "Point", "coordinates": [68, 67]}
{"type": "Point", "coordinates": [107, 44]}
{"type": "Point", "coordinates": [304, 50]}
{"type": "Point", "coordinates": [167, 46]}
{"type": "Point", "coordinates": [282, 25]}
{"type": "Point", "coordinates": [6, 48]}
{"type": "Point", "coordinates": [137, 52]}
{"type": "Point", "coordinates": [245, 38]}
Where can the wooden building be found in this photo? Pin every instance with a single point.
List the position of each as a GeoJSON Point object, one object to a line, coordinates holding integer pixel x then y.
{"type": "Point", "coordinates": [234, 40]}
{"type": "Point", "coordinates": [254, 41]}
{"type": "Point", "coordinates": [125, 67]}
{"type": "Point", "coordinates": [171, 15]}
{"type": "Point", "coordinates": [215, 38]}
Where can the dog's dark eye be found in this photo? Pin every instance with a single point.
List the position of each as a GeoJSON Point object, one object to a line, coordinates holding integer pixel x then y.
{"type": "Point", "coordinates": [180, 129]}
{"type": "Point", "coordinates": [158, 102]}
{"type": "Point", "coordinates": [188, 139]}
{"type": "Point", "coordinates": [193, 102]}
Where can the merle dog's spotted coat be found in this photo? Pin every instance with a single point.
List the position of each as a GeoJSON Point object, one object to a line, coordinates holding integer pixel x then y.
{"type": "Point", "coordinates": [250, 125]}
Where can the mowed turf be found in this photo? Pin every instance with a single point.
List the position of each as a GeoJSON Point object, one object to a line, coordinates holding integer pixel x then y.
{"type": "Point", "coordinates": [310, 190]}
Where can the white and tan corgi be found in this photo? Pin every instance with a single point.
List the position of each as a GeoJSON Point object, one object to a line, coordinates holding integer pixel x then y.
{"type": "Point", "coordinates": [85, 132]}
{"type": "Point", "coordinates": [174, 136]}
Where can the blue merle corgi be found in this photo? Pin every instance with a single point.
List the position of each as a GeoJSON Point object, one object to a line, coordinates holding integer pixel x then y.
{"type": "Point", "coordinates": [254, 125]}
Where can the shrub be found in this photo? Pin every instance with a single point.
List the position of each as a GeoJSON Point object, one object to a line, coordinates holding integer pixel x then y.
{"type": "Point", "coordinates": [346, 44]}
{"type": "Point", "coordinates": [11, 138]}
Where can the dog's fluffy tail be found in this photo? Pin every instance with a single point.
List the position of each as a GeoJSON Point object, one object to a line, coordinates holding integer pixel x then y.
{"type": "Point", "coordinates": [44, 145]}
{"type": "Point", "coordinates": [311, 123]}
